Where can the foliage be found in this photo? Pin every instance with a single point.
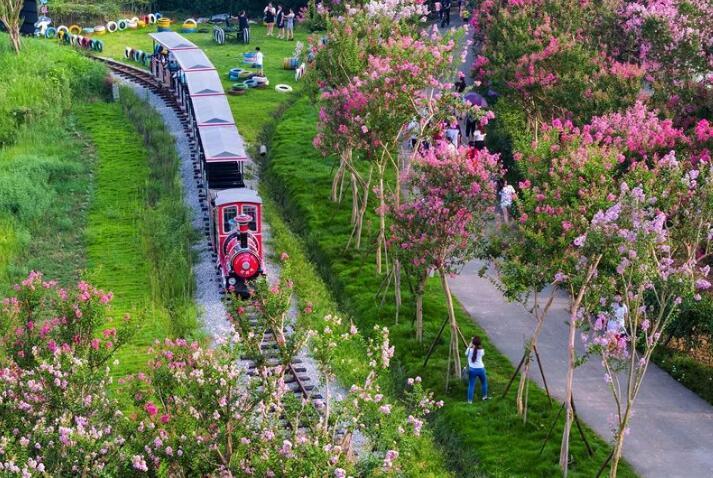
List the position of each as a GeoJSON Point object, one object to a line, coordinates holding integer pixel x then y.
{"type": "Point", "coordinates": [86, 11]}
{"type": "Point", "coordinates": [197, 411]}
{"type": "Point", "coordinates": [300, 180]}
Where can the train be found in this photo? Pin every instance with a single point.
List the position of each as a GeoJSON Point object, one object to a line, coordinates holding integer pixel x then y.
{"type": "Point", "coordinates": [235, 210]}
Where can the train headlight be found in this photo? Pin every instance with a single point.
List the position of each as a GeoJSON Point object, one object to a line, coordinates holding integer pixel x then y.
{"type": "Point", "coordinates": [232, 281]}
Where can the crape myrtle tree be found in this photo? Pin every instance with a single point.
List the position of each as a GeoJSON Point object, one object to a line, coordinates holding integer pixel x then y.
{"type": "Point", "coordinates": [642, 266]}
{"type": "Point", "coordinates": [195, 411]}
{"type": "Point", "coordinates": [376, 75]}
{"type": "Point", "coordinates": [545, 56]}
{"type": "Point", "coordinates": [571, 173]}
{"type": "Point", "coordinates": [442, 223]}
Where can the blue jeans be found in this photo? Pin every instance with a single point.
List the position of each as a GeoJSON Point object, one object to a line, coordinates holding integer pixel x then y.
{"type": "Point", "coordinates": [472, 374]}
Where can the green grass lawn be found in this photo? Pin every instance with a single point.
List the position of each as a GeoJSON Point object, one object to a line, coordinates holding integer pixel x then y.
{"type": "Point", "coordinates": [253, 110]}
{"type": "Point", "coordinates": [121, 234]}
{"type": "Point", "coordinates": [116, 257]}
{"type": "Point", "coordinates": [485, 439]}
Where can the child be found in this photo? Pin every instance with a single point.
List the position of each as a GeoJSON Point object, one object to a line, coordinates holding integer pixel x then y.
{"type": "Point", "coordinates": [258, 60]}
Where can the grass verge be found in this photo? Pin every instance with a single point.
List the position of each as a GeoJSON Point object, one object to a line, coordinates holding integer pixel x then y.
{"type": "Point", "coordinates": [138, 237]}
{"type": "Point", "coordinates": [486, 439]}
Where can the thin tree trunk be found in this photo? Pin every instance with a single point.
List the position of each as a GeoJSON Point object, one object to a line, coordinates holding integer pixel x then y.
{"type": "Point", "coordinates": [355, 199]}
{"type": "Point", "coordinates": [454, 348]}
{"type": "Point", "coordinates": [338, 177]}
{"type": "Point", "coordinates": [362, 210]}
{"type": "Point", "coordinates": [381, 241]}
{"type": "Point", "coordinates": [569, 416]}
{"type": "Point", "coordinates": [540, 315]}
{"type": "Point", "coordinates": [420, 288]}
{"type": "Point", "coordinates": [619, 443]}
{"type": "Point", "coordinates": [397, 287]}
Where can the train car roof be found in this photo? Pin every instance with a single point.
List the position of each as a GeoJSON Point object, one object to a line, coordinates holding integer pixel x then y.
{"type": "Point", "coordinates": [212, 110]}
{"type": "Point", "coordinates": [228, 196]}
{"type": "Point", "coordinates": [192, 60]}
{"type": "Point", "coordinates": [203, 83]}
{"type": "Point", "coordinates": [172, 41]}
{"type": "Point", "coordinates": [222, 143]}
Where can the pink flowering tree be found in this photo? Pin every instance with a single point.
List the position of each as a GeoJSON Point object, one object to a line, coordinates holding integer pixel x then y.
{"type": "Point", "coordinates": [442, 223]}
{"type": "Point", "coordinates": [196, 411]}
{"type": "Point", "coordinates": [56, 349]}
{"type": "Point", "coordinates": [642, 267]}
{"type": "Point", "coordinates": [545, 56]}
{"type": "Point", "coordinates": [200, 413]}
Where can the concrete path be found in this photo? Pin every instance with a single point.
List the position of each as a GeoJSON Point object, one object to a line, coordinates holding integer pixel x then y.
{"type": "Point", "coordinates": [672, 429]}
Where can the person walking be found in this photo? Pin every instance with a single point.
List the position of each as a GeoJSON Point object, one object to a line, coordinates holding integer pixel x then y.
{"type": "Point", "coordinates": [269, 18]}
{"type": "Point", "coordinates": [453, 132]}
{"type": "Point", "coordinates": [437, 7]}
{"type": "Point", "coordinates": [507, 195]}
{"type": "Point", "coordinates": [446, 14]}
{"type": "Point", "coordinates": [476, 369]}
{"type": "Point", "coordinates": [244, 27]}
{"type": "Point", "coordinates": [280, 21]}
{"type": "Point", "coordinates": [290, 25]}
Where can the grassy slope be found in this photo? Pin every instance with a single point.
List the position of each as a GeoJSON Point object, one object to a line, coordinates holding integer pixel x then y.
{"type": "Point", "coordinates": [115, 252]}
{"type": "Point", "coordinates": [44, 170]}
{"type": "Point", "coordinates": [253, 110]}
{"type": "Point", "coordinates": [483, 439]}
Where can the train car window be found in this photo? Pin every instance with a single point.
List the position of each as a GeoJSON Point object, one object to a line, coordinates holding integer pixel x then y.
{"type": "Point", "coordinates": [229, 214]}
{"type": "Point", "coordinates": [252, 212]}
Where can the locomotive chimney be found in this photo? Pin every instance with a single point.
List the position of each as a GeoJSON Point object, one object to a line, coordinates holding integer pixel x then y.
{"type": "Point", "coordinates": [243, 221]}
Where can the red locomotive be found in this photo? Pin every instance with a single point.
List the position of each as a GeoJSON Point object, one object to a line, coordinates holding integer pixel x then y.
{"type": "Point", "coordinates": [236, 235]}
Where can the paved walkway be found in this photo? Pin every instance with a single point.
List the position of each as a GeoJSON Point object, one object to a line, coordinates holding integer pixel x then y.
{"type": "Point", "coordinates": [672, 429]}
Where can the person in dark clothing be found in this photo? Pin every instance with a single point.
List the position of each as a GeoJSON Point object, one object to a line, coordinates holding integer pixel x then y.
{"type": "Point", "coordinates": [446, 16]}
{"type": "Point", "coordinates": [280, 20]}
{"type": "Point", "coordinates": [244, 26]}
{"type": "Point", "coordinates": [460, 85]}
{"type": "Point", "coordinates": [470, 125]}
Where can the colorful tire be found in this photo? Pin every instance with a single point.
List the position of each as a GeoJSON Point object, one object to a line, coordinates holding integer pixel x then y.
{"type": "Point", "coordinates": [219, 35]}
{"type": "Point", "coordinates": [190, 22]}
{"type": "Point", "coordinates": [51, 32]}
{"type": "Point", "coordinates": [240, 86]}
{"type": "Point", "coordinates": [135, 20]}
{"type": "Point", "coordinates": [75, 29]}
{"type": "Point", "coordinates": [251, 83]}
{"type": "Point", "coordinates": [100, 29]}
{"type": "Point", "coordinates": [132, 25]}
{"type": "Point", "coordinates": [122, 24]}
{"type": "Point", "coordinates": [157, 16]}
{"type": "Point", "coordinates": [282, 88]}
{"type": "Point", "coordinates": [98, 46]}
{"type": "Point", "coordinates": [151, 18]}
{"type": "Point", "coordinates": [88, 30]}
{"type": "Point", "coordinates": [112, 26]}
{"type": "Point", "coordinates": [261, 80]}
{"type": "Point", "coordinates": [142, 23]}
{"type": "Point", "coordinates": [128, 52]}
{"type": "Point", "coordinates": [63, 29]}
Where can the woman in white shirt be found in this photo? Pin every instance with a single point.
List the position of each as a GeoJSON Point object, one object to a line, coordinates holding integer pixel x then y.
{"type": "Point", "coordinates": [476, 369]}
{"type": "Point", "coordinates": [617, 324]}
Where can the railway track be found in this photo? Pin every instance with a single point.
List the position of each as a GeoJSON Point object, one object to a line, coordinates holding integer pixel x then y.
{"type": "Point", "coordinates": [296, 376]}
